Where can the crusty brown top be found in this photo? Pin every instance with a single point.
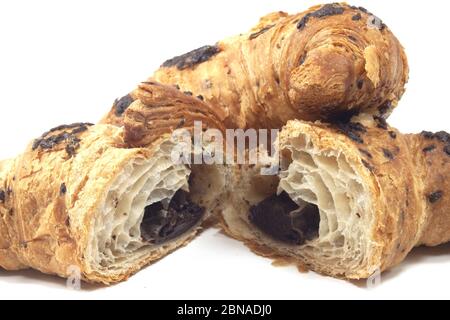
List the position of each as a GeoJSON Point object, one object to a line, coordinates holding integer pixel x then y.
{"type": "Point", "coordinates": [326, 62]}
{"type": "Point", "coordinates": [154, 109]}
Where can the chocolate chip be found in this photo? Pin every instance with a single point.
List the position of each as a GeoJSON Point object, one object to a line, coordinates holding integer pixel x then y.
{"type": "Point", "coordinates": [49, 140]}
{"type": "Point", "coordinates": [362, 9]}
{"type": "Point", "coordinates": [200, 97]}
{"type": "Point", "coordinates": [282, 219]}
{"type": "Point", "coordinates": [381, 122]}
{"type": "Point", "coordinates": [192, 58]}
{"type": "Point", "coordinates": [260, 32]}
{"type": "Point", "coordinates": [62, 189]}
{"type": "Point", "coordinates": [442, 136]}
{"type": "Point", "coordinates": [360, 84]}
{"type": "Point", "coordinates": [366, 153]}
{"type": "Point", "coordinates": [75, 126]}
{"type": "Point", "coordinates": [302, 59]}
{"type": "Point", "coordinates": [393, 134]}
{"type": "Point", "coordinates": [122, 104]}
{"type": "Point", "coordinates": [381, 25]}
{"type": "Point", "coordinates": [330, 9]}
{"type": "Point", "coordinates": [356, 126]}
{"type": "Point", "coordinates": [177, 87]}
{"type": "Point", "coordinates": [435, 196]}
{"type": "Point", "coordinates": [357, 17]}
{"type": "Point", "coordinates": [355, 137]}
{"type": "Point", "coordinates": [162, 224]}
{"type": "Point", "coordinates": [303, 21]}
{"type": "Point", "coordinates": [427, 134]}
{"type": "Point", "coordinates": [72, 145]}
{"type": "Point", "coordinates": [277, 80]}
{"type": "Point", "coordinates": [368, 165]}
{"type": "Point", "coordinates": [388, 154]}
{"type": "Point", "coordinates": [2, 196]}
{"type": "Point", "coordinates": [385, 107]}
{"type": "Point", "coordinates": [429, 148]}
{"type": "Point", "coordinates": [181, 123]}
{"type": "Point", "coordinates": [447, 149]}
{"type": "Point", "coordinates": [352, 130]}
{"type": "Point", "coordinates": [188, 93]}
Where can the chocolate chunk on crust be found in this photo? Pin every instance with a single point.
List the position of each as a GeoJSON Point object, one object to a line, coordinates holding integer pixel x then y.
{"type": "Point", "coordinates": [68, 135]}
{"type": "Point", "coordinates": [122, 104]}
{"type": "Point", "coordinates": [435, 196]}
{"type": "Point", "coordinates": [330, 9]}
{"type": "Point", "coordinates": [191, 59]}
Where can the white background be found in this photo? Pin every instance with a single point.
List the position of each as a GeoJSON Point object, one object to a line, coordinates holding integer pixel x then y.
{"type": "Point", "coordinates": [66, 61]}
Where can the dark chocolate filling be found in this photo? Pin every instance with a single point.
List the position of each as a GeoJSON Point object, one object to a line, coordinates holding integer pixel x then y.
{"type": "Point", "coordinates": [162, 224]}
{"type": "Point", "coordinates": [282, 219]}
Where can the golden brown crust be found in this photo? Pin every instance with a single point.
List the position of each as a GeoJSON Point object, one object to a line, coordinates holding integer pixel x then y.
{"type": "Point", "coordinates": [411, 188]}
{"type": "Point", "coordinates": [408, 183]}
{"type": "Point", "coordinates": [51, 191]}
{"type": "Point", "coordinates": [50, 197]}
{"type": "Point", "coordinates": [432, 155]}
{"type": "Point", "coordinates": [319, 64]}
{"type": "Point", "coordinates": [160, 109]}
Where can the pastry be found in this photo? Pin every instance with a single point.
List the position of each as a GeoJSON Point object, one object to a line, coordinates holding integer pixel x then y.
{"type": "Point", "coordinates": [329, 62]}
{"type": "Point", "coordinates": [83, 197]}
{"type": "Point", "coordinates": [350, 199]}
{"type": "Point", "coordinates": [153, 109]}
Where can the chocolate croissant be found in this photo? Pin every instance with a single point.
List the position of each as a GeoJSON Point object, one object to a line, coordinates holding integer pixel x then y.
{"type": "Point", "coordinates": [82, 197]}
{"type": "Point", "coordinates": [350, 199]}
{"type": "Point", "coordinates": [328, 62]}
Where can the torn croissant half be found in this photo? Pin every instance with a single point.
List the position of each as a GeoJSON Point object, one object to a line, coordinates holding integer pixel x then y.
{"type": "Point", "coordinates": [79, 197]}
{"type": "Point", "coordinates": [350, 199]}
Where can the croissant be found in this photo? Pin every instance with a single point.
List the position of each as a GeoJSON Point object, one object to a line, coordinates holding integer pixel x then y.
{"type": "Point", "coordinates": [331, 61]}
{"type": "Point", "coordinates": [82, 198]}
{"type": "Point", "coordinates": [350, 199]}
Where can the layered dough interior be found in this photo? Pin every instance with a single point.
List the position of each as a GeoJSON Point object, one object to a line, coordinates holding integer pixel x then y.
{"type": "Point", "coordinates": [318, 209]}
{"type": "Point", "coordinates": [153, 207]}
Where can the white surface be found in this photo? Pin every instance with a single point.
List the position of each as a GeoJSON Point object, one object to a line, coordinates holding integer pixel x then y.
{"type": "Point", "coordinates": [66, 61]}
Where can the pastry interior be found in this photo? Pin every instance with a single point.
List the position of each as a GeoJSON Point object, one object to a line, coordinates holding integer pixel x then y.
{"type": "Point", "coordinates": [153, 207]}
{"type": "Point", "coordinates": [317, 210]}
